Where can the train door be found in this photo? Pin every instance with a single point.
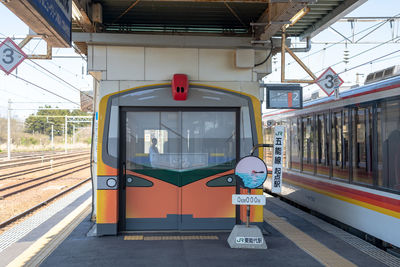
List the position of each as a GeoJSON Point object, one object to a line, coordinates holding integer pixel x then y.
{"type": "Point", "coordinates": [177, 168]}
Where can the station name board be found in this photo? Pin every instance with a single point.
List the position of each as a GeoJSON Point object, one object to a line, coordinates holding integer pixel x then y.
{"type": "Point", "coordinates": [284, 96]}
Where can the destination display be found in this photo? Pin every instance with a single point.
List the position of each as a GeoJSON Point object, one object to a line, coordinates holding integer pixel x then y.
{"type": "Point", "coordinates": [284, 96]}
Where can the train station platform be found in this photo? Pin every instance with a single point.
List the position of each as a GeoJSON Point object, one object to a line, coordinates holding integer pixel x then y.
{"type": "Point", "coordinates": [293, 237]}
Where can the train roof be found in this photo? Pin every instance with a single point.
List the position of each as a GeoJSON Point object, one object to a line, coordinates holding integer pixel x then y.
{"type": "Point", "coordinates": [383, 85]}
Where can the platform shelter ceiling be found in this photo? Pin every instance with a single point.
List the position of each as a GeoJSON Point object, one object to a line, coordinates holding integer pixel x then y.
{"type": "Point", "coordinates": [229, 17]}
{"type": "Point", "coordinates": [258, 20]}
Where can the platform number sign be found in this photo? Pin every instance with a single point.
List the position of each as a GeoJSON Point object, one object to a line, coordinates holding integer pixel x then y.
{"type": "Point", "coordinates": [277, 159]}
{"type": "Point", "coordinates": [10, 55]}
{"type": "Point", "coordinates": [329, 81]}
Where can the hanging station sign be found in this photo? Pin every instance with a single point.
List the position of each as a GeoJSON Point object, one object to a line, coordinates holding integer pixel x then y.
{"type": "Point", "coordinates": [49, 18]}
{"type": "Point", "coordinates": [284, 96]}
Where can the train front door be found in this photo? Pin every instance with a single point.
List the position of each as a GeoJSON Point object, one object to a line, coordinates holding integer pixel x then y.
{"type": "Point", "coordinates": [176, 168]}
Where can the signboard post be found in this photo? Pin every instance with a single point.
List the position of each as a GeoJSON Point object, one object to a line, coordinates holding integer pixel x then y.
{"type": "Point", "coordinates": [10, 55]}
{"type": "Point", "coordinates": [284, 96]}
{"type": "Point", "coordinates": [329, 81]}
{"type": "Point", "coordinates": [252, 173]}
{"type": "Point", "coordinates": [276, 180]}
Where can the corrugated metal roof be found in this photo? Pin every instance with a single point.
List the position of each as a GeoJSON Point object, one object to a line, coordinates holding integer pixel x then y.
{"type": "Point", "coordinates": [180, 16]}
{"type": "Point", "coordinates": [199, 16]}
{"type": "Point", "coordinates": [317, 12]}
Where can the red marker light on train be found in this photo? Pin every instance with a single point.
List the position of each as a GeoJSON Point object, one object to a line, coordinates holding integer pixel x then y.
{"type": "Point", "coordinates": [180, 86]}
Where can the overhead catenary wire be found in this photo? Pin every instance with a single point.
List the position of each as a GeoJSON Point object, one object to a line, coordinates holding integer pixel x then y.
{"type": "Point", "coordinates": [362, 64]}
{"type": "Point", "coordinates": [60, 79]}
{"type": "Point", "coordinates": [73, 87]}
{"type": "Point", "coordinates": [377, 25]}
{"type": "Point", "coordinates": [55, 75]}
{"type": "Point", "coordinates": [44, 89]}
{"type": "Point", "coordinates": [356, 55]}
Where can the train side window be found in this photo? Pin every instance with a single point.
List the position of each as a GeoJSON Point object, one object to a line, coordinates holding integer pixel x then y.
{"type": "Point", "coordinates": [308, 144]}
{"type": "Point", "coordinates": [362, 144]}
{"type": "Point", "coordinates": [322, 145]}
{"type": "Point", "coordinates": [295, 136]}
{"type": "Point", "coordinates": [339, 146]}
{"type": "Point", "coordinates": [112, 140]}
{"type": "Point", "coordinates": [388, 130]}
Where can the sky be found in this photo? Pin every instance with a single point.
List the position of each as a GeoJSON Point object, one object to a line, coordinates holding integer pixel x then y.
{"type": "Point", "coordinates": [323, 55]}
{"type": "Point", "coordinates": [73, 68]}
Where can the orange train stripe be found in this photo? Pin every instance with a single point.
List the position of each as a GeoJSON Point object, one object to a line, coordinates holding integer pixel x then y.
{"type": "Point", "coordinates": [360, 199]}
{"type": "Point", "coordinates": [350, 200]}
{"type": "Point", "coordinates": [380, 201]}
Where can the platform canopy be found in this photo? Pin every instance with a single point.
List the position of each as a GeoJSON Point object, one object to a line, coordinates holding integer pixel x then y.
{"type": "Point", "coordinates": [256, 19]}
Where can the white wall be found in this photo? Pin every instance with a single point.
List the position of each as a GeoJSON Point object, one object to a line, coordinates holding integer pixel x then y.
{"type": "Point", "coordinates": [122, 63]}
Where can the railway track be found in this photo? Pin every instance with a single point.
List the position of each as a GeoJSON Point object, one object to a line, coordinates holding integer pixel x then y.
{"type": "Point", "coordinates": [41, 160]}
{"type": "Point", "coordinates": [41, 168]}
{"type": "Point", "coordinates": [41, 204]}
{"type": "Point", "coordinates": [20, 155]}
{"type": "Point", "coordinates": [25, 155]}
{"type": "Point", "coordinates": [77, 169]}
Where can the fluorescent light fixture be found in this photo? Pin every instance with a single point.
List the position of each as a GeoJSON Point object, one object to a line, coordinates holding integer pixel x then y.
{"type": "Point", "coordinates": [297, 16]}
{"type": "Point", "coordinates": [76, 13]}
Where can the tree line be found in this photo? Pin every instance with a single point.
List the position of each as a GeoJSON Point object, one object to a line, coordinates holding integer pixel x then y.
{"type": "Point", "coordinates": [36, 124]}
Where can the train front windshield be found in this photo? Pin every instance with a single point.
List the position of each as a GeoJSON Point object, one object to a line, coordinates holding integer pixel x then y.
{"type": "Point", "coordinates": [180, 140]}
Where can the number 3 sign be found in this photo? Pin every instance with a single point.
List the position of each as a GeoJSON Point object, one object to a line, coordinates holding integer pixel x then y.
{"type": "Point", "coordinates": [10, 55]}
{"type": "Point", "coordinates": [328, 81]}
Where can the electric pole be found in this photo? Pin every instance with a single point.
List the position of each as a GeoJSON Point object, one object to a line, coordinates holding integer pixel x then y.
{"type": "Point", "coordinates": [9, 130]}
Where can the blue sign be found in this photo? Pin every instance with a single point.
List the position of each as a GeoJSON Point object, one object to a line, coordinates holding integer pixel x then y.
{"type": "Point", "coordinates": [58, 13]}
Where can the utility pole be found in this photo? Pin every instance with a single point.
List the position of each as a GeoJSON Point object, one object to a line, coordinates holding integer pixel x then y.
{"type": "Point", "coordinates": [66, 132]}
{"type": "Point", "coordinates": [73, 134]}
{"type": "Point", "coordinates": [52, 136]}
{"type": "Point", "coordinates": [9, 130]}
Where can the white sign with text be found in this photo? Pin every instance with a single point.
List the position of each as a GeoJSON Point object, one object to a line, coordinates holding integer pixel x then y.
{"type": "Point", "coordinates": [277, 159]}
{"type": "Point", "coordinates": [248, 200]}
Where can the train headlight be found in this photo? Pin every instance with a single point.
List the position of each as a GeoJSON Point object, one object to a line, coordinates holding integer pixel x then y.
{"type": "Point", "coordinates": [111, 182]}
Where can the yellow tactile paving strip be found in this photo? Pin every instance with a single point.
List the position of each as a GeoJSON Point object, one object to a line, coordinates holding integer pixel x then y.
{"type": "Point", "coordinates": [171, 237]}
{"type": "Point", "coordinates": [311, 246]}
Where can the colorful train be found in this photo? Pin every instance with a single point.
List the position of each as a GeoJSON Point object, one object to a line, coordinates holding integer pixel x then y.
{"type": "Point", "coordinates": [167, 163]}
{"type": "Point", "coordinates": [342, 157]}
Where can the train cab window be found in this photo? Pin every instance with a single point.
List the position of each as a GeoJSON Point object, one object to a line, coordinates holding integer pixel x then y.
{"type": "Point", "coordinates": [322, 145]}
{"type": "Point", "coordinates": [180, 141]}
{"type": "Point", "coordinates": [308, 144]}
{"type": "Point", "coordinates": [340, 145]}
{"type": "Point", "coordinates": [362, 144]}
{"type": "Point", "coordinates": [295, 141]}
{"type": "Point", "coordinates": [208, 139]}
{"type": "Point", "coordinates": [388, 135]}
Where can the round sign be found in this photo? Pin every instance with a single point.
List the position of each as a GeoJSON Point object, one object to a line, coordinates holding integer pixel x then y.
{"type": "Point", "coordinates": [252, 171]}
